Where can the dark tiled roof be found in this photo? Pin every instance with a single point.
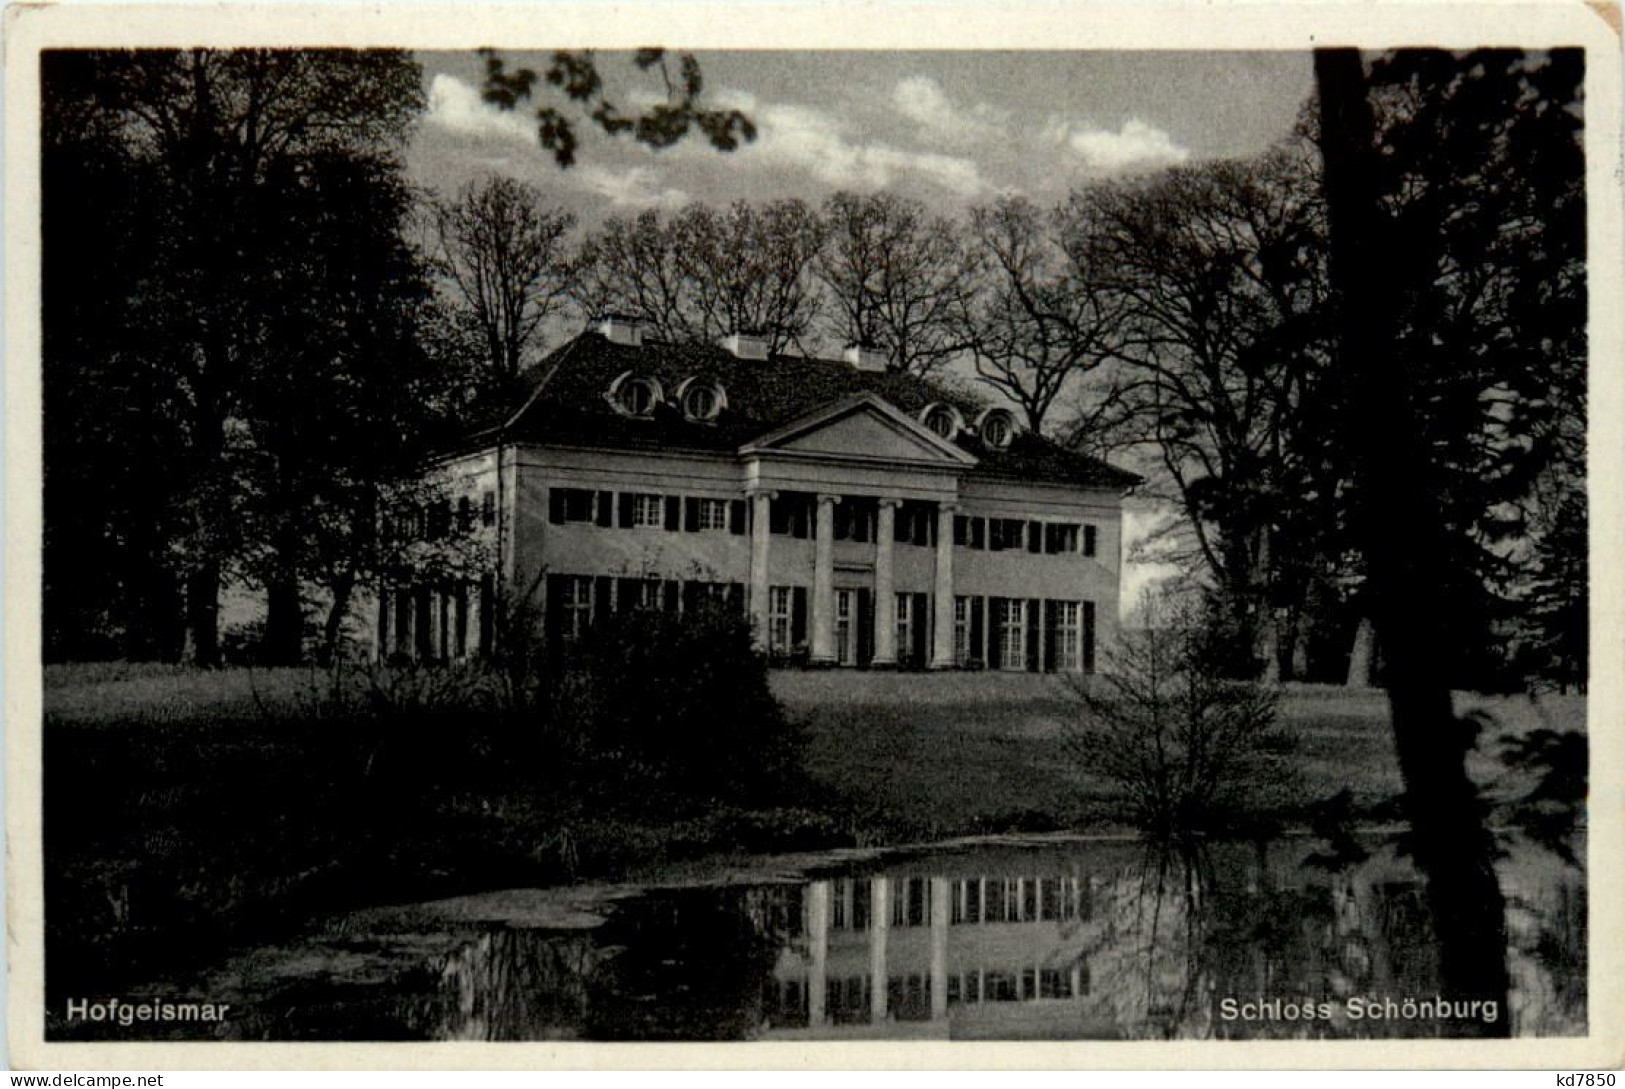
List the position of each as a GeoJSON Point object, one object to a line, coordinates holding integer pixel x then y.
{"type": "Point", "coordinates": [566, 404]}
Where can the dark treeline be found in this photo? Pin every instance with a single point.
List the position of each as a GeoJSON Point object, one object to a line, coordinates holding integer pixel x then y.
{"type": "Point", "coordinates": [273, 326]}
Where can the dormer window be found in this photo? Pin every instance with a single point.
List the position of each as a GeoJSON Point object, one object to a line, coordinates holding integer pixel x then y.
{"type": "Point", "coordinates": [635, 394]}
{"type": "Point", "coordinates": [943, 419]}
{"type": "Point", "coordinates": [702, 400]}
{"type": "Point", "coordinates": [997, 427]}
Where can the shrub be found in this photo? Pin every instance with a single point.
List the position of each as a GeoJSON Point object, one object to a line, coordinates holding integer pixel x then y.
{"type": "Point", "coordinates": [679, 707]}
{"type": "Point", "coordinates": [1184, 748]}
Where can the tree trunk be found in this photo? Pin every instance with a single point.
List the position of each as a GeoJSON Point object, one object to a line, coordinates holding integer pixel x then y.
{"type": "Point", "coordinates": [333, 628]}
{"type": "Point", "coordinates": [1397, 524]}
{"type": "Point", "coordinates": [284, 620]}
{"type": "Point", "coordinates": [1361, 655]}
{"type": "Point", "coordinates": [203, 615]}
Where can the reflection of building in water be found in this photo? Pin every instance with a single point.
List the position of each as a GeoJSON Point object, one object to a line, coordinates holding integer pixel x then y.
{"type": "Point", "coordinates": [893, 951]}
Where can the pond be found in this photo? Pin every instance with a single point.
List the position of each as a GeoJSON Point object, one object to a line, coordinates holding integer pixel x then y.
{"type": "Point", "coordinates": [1048, 938]}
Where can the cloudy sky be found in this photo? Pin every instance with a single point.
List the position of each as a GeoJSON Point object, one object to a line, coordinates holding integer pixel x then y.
{"type": "Point", "coordinates": [949, 128]}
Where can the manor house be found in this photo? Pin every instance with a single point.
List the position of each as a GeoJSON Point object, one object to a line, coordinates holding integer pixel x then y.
{"type": "Point", "coordinates": [861, 517]}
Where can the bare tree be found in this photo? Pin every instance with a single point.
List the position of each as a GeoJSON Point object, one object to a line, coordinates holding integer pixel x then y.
{"type": "Point", "coordinates": [631, 266]}
{"type": "Point", "coordinates": [502, 248]}
{"type": "Point", "coordinates": [749, 268]}
{"type": "Point", "coordinates": [1044, 313]}
{"type": "Point", "coordinates": [898, 278]}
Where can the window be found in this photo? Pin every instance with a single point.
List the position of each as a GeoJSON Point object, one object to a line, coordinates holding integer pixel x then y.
{"type": "Point", "coordinates": [702, 401]}
{"type": "Point", "coordinates": [635, 395]}
{"type": "Point", "coordinates": [648, 511]}
{"type": "Point", "coordinates": [574, 504]}
{"type": "Point", "coordinates": [854, 519]}
{"type": "Point", "coordinates": [713, 514]}
{"type": "Point", "coordinates": [1068, 635]}
{"type": "Point", "coordinates": [1006, 534]}
{"type": "Point", "coordinates": [640, 594]}
{"type": "Point", "coordinates": [1060, 537]}
{"type": "Point", "coordinates": [778, 619]}
{"type": "Point", "coordinates": [914, 524]}
{"type": "Point", "coordinates": [790, 515]}
{"type": "Point", "coordinates": [998, 427]}
{"type": "Point", "coordinates": [845, 631]}
{"type": "Point", "coordinates": [1012, 633]}
{"type": "Point", "coordinates": [488, 509]}
{"type": "Point", "coordinates": [962, 652]}
{"type": "Point", "coordinates": [942, 419]}
{"type": "Point", "coordinates": [1089, 536]}
{"type": "Point", "coordinates": [575, 605]}
{"type": "Point", "coordinates": [905, 623]}
{"type": "Point", "coordinates": [465, 514]}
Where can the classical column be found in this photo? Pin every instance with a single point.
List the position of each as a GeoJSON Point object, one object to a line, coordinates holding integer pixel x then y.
{"type": "Point", "coordinates": [818, 950]}
{"type": "Point", "coordinates": [879, 926]}
{"type": "Point", "coordinates": [885, 594]}
{"type": "Point", "coordinates": [823, 603]}
{"type": "Point", "coordinates": [761, 538]}
{"type": "Point", "coordinates": [939, 948]}
{"type": "Point", "coordinates": [942, 641]}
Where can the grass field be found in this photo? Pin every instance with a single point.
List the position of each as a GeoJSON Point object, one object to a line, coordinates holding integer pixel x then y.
{"type": "Point", "coordinates": [222, 805]}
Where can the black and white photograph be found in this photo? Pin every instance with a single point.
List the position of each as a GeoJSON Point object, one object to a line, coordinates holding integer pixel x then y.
{"type": "Point", "coordinates": [585, 544]}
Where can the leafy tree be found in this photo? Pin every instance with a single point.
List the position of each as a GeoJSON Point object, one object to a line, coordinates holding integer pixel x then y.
{"type": "Point", "coordinates": [503, 250]}
{"type": "Point", "coordinates": [1043, 314]}
{"type": "Point", "coordinates": [575, 74]}
{"type": "Point", "coordinates": [897, 277]}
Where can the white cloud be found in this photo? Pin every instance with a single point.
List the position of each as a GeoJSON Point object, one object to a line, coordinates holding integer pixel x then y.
{"type": "Point", "coordinates": [922, 100]}
{"type": "Point", "coordinates": [634, 187]}
{"type": "Point", "coordinates": [1134, 147]}
{"type": "Point", "coordinates": [456, 107]}
{"type": "Point", "coordinates": [805, 138]}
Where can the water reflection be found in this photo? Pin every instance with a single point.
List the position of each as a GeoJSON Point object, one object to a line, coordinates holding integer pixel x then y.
{"type": "Point", "coordinates": [1080, 941]}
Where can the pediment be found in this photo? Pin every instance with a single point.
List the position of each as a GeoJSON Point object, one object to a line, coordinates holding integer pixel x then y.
{"type": "Point", "coordinates": [863, 428]}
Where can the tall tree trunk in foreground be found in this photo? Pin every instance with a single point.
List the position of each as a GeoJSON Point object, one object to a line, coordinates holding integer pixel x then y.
{"type": "Point", "coordinates": [1400, 533]}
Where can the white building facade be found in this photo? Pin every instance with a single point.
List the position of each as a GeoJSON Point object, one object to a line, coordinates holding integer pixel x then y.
{"type": "Point", "coordinates": [861, 518]}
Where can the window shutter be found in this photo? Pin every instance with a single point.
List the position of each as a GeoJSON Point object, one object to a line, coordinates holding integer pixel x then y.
{"type": "Point", "coordinates": [1035, 541]}
{"type": "Point", "coordinates": [925, 531]}
{"type": "Point", "coordinates": [977, 606]}
{"type": "Point", "coordinates": [600, 598]}
{"type": "Point", "coordinates": [625, 501]}
{"type": "Point", "coordinates": [902, 530]}
{"type": "Point", "coordinates": [691, 514]}
{"type": "Point", "coordinates": [736, 517]}
{"type": "Point", "coordinates": [555, 506]}
{"type": "Point", "coordinates": [1052, 538]}
{"type": "Point", "coordinates": [1051, 611]}
{"type": "Point", "coordinates": [1089, 540]}
{"type": "Point", "coordinates": [921, 619]}
{"type": "Point", "coordinates": [736, 595]}
{"type": "Point", "coordinates": [961, 530]}
{"type": "Point", "coordinates": [802, 518]}
{"type": "Point", "coordinates": [606, 508]}
{"type": "Point", "coordinates": [488, 508]}
{"type": "Point", "coordinates": [1088, 637]}
{"type": "Point", "coordinates": [383, 624]}
{"type": "Point", "coordinates": [691, 595]}
{"type": "Point", "coordinates": [798, 615]}
{"type": "Point", "coordinates": [626, 594]}
{"type": "Point", "coordinates": [978, 532]}
{"type": "Point", "coordinates": [673, 511]}
{"type": "Point", "coordinates": [669, 592]}
{"type": "Point", "coordinates": [1034, 617]}
{"type": "Point", "coordinates": [995, 632]}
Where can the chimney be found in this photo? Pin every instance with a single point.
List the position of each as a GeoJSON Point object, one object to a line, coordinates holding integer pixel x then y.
{"type": "Point", "coordinates": [746, 345]}
{"type": "Point", "coordinates": [621, 329]}
{"type": "Point", "coordinates": [866, 357]}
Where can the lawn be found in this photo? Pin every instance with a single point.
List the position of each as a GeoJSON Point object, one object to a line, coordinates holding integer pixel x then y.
{"type": "Point", "coordinates": [223, 806]}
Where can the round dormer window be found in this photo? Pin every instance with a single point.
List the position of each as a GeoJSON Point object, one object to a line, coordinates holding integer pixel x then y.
{"type": "Point", "coordinates": [702, 400]}
{"type": "Point", "coordinates": [943, 419]}
{"type": "Point", "coordinates": [635, 394]}
{"type": "Point", "coordinates": [997, 428]}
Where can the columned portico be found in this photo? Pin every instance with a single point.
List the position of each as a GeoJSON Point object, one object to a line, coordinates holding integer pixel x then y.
{"type": "Point", "coordinates": [885, 609]}
{"type": "Point", "coordinates": [761, 538]}
{"type": "Point", "coordinates": [942, 627]}
{"type": "Point", "coordinates": [823, 605]}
